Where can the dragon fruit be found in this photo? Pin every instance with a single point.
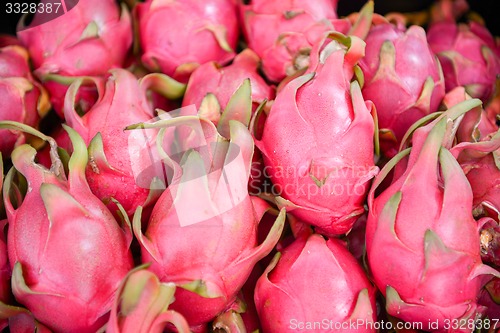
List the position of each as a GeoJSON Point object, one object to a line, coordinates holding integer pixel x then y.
{"type": "Point", "coordinates": [476, 124]}
{"type": "Point", "coordinates": [469, 54]}
{"type": "Point", "coordinates": [402, 78]}
{"type": "Point", "coordinates": [478, 153]}
{"type": "Point", "coordinates": [141, 305]}
{"type": "Point", "coordinates": [4, 263]}
{"type": "Point", "coordinates": [23, 99]}
{"type": "Point", "coordinates": [209, 249]}
{"type": "Point", "coordinates": [313, 281]}
{"type": "Point", "coordinates": [123, 164]}
{"type": "Point", "coordinates": [323, 174]}
{"type": "Point", "coordinates": [421, 236]}
{"type": "Point", "coordinates": [209, 33]}
{"type": "Point", "coordinates": [223, 82]}
{"type": "Point", "coordinates": [67, 46]}
{"type": "Point", "coordinates": [66, 250]}
{"type": "Point", "coordinates": [282, 33]}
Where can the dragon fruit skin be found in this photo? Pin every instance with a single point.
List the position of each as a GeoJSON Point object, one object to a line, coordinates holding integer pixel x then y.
{"type": "Point", "coordinates": [312, 280]}
{"type": "Point", "coordinates": [210, 33]}
{"type": "Point", "coordinates": [478, 154]}
{"type": "Point", "coordinates": [421, 237]}
{"type": "Point", "coordinates": [141, 305]}
{"type": "Point", "coordinates": [207, 250]}
{"type": "Point", "coordinates": [66, 250]}
{"type": "Point", "coordinates": [323, 174]}
{"type": "Point", "coordinates": [67, 46]}
{"type": "Point", "coordinates": [23, 99]}
{"type": "Point", "coordinates": [123, 164]}
{"type": "Point", "coordinates": [222, 82]}
{"type": "Point", "coordinates": [4, 259]}
{"type": "Point", "coordinates": [469, 55]}
{"type": "Point", "coordinates": [399, 63]}
{"type": "Point", "coordinates": [282, 33]}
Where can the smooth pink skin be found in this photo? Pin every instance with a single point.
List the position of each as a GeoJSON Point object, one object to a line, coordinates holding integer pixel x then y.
{"type": "Point", "coordinates": [314, 280]}
{"type": "Point", "coordinates": [278, 40]}
{"type": "Point", "coordinates": [19, 95]}
{"type": "Point", "coordinates": [166, 46]}
{"type": "Point", "coordinates": [395, 90]}
{"type": "Point", "coordinates": [58, 46]}
{"type": "Point", "coordinates": [122, 102]}
{"type": "Point", "coordinates": [73, 258]}
{"type": "Point", "coordinates": [224, 81]}
{"type": "Point", "coordinates": [445, 284]}
{"type": "Point", "coordinates": [335, 144]}
{"type": "Point", "coordinates": [461, 50]}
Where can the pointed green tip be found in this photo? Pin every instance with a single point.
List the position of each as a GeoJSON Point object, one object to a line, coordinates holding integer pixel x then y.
{"type": "Point", "coordinates": [79, 159]}
{"type": "Point", "coordinates": [238, 108]}
{"type": "Point", "coordinates": [200, 288]}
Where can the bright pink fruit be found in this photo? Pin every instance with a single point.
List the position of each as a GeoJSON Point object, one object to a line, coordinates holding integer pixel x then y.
{"type": "Point", "coordinates": [202, 234]}
{"type": "Point", "coordinates": [4, 259]}
{"type": "Point", "coordinates": [89, 39]}
{"type": "Point", "coordinates": [422, 240]}
{"type": "Point", "coordinates": [22, 98]}
{"type": "Point", "coordinates": [318, 140]}
{"type": "Point", "coordinates": [315, 281]}
{"type": "Point", "coordinates": [141, 305]}
{"type": "Point", "coordinates": [282, 32]}
{"type": "Point", "coordinates": [69, 44]}
{"type": "Point", "coordinates": [123, 164]}
{"type": "Point", "coordinates": [222, 82]}
{"type": "Point", "coordinates": [209, 33]}
{"type": "Point", "coordinates": [478, 151]}
{"type": "Point", "coordinates": [469, 54]}
{"type": "Point", "coordinates": [402, 78]}
{"type": "Point", "coordinates": [66, 250]}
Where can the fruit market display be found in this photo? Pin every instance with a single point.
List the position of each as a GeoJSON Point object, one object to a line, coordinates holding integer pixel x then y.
{"type": "Point", "coordinates": [249, 166]}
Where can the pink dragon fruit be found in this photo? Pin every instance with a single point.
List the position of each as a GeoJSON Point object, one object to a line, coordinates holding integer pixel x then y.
{"type": "Point", "coordinates": [210, 268]}
{"type": "Point", "coordinates": [490, 298]}
{"type": "Point", "coordinates": [478, 152]}
{"type": "Point", "coordinates": [141, 305]}
{"type": "Point", "coordinates": [476, 124]}
{"type": "Point", "coordinates": [323, 174]}
{"type": "Point", "coordinates": [23, 99]}
{"type": "Point", "coordinates": [282, 33]}
{"type": "Point", "coordinates": [4, 260]}
{"type": "Point", "coordinates": [312, 281]}
{"type": "Point", "coordinates": [402, 78]}
{"type": "Point", "coordinates": [66, 250]}
{"type": "Point", "coordinates": [469, 54]}
{"type": "Point", "coordinates": [209, 33]}
{"type": "Point", "coordinates": [421, 236]}
{"type": "Point", "coordinates": [67, 46]}
{"type": "Point", "coordinates": [223, 82]}
{"type": "Point", "coordinates": [123, 164]}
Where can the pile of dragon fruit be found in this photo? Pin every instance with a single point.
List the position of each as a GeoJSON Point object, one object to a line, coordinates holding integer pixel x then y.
{"type": "Point", "coordinates": [249, 166]}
